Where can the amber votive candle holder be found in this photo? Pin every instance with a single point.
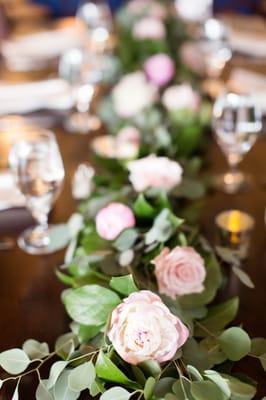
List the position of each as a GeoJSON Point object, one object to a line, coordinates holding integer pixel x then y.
{"type": "Point", "coordinates": [235, 229]}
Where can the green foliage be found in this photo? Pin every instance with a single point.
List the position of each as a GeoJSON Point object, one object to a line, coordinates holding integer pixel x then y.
{"type": "Point", "coordinates": [124, 285]}
{"type": "Point", "coordinates": [91, 304]}
{"type": "Point", "coordinates": [235, 343]}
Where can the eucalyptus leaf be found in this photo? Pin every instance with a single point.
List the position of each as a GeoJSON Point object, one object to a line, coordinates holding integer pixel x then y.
{"type": "Point", "coordinates": [235, 343]}
{"type": "Point", "coordinates": [258, 346]}
{"type": "Point", "coordinates": [240, 390]}
{"type": "Point", "coordinates": [35, 349]}
{"type": "Point", "coordinates": [182, 388]}
{"type": "Point", "coordinates": [243, 277]}
{"type": "Point", "coordinates": [42, 392]}
{"type": "Point", "coordinates": [90, 304]}
{"type": "Point", "coordinates": [55, 371]}
{"type": "Point", "coordinates": [164, 386]}
{"type": "Point", "coordinates": [66, 344]}
{"type": "Point", "coordinates": [149, 387]}
{"type": "Point", "coordinates": [206, 390]}
{"type": "Point", "coordinates": [194, 355]}
{"type": "Point", "coordinates": [82, 377]}
{"type": "Point", "coordinates": [124, 285]}
{"type": "Point", "coordinates": [126, 240]}
{"type": "Point", "coordinates": [218, 317]}
{"type": "Point", "coordinates": [61, 390]}
{"type": "Point", "coordinates": [216, 378]}
{"type": "Point", "coordinates": [14, 361]}
{"type": "Point", "coordinates": [116, 393]}
{"type": "Point", "coordinates": [194, 373]}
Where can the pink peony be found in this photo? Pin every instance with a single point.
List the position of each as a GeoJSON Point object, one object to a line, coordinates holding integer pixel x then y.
{"type": "Point", "coordinates": [149, 28]}
{"type": "Point", "coordinates": [154, 172]}
{"type": "Point", "coordinates": [181, 96]}
{"type": "Point", "coordinates": [132, 94]}
{"type": "Point", "coordinates": [113, 220]}
{"type": "Point", "coordinates": [179, 271]}
{"type": "Point", "coordinates": [143, 328]}
{"type": "Point", "coordinates": [159, 69]}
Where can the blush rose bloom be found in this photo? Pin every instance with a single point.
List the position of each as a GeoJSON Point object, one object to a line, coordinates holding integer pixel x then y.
{"type": "Point", "coordinates": [143, 328]}
{"type": "Point", "coordinates": [159, 69]}
{"type": "Point", "coordinates": [113, 220]}
{"type": "Point", "coordinates": [154, 172]}
{"type": "Point", "coordinates": [133, 94]}
{"type": "Point", "coordinates": [149, 28]}
{"type": "Point", "coordinates": [129, 134]}
{"type": "Point", "coordinates": [179, 271]}
{"type": "Point", "coordinates": [181, 97]}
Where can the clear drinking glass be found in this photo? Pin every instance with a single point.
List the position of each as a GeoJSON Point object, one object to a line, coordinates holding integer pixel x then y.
{"type": "Point", "coordinates": [84, 71]}
{"type": "Point", "coordinates": [97, 17]}
{"type": "Point", "coordinates": [39, 172]}
{"type": "Point", "coordinates": [237, 123]}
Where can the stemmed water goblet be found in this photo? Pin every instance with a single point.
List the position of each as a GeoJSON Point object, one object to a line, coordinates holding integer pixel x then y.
{"type": "Point", "coordinates": [237, 122]}
{"type": "Point", "coordinates": [214, 47]}
{"type": "Point", "coordinates": [84, 71]}
{"type": "Point", "coordinates": [97, 18]}
{"type": "Point", "coordinates": [38, 168]}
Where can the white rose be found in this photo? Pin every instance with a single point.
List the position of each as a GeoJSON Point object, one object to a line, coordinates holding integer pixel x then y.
{"type": "Point", "coordinates": [149, 28]}
{"type": "Point", "coordinates": [154, 172]}
{"type": "Point", "coordinates": [82, 185]}
{"type": "Point", "coordinates": [181, 96]}
{"type": "Point", "coordinates": [132, 94]}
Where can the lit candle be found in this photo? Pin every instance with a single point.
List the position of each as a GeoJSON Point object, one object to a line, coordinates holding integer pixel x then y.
{"type": "Point", "coordinates": [235, 228]}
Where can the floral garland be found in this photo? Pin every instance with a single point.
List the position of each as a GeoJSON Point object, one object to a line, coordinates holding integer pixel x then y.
{"type": "Point", "coordinates": [142, 281]}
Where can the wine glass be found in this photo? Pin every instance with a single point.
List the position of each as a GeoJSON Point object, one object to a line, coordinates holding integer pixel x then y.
{"type": "Point", "coordinates": [39, 172]}
{"type": "Point", "coordinates": [237, 123]}
{"type": "Point", "coordinates": [215, 48]}
{"type": "Point", "coordinates": [84, 71]}
{"type": "Point", "coordinates": [97, 18]}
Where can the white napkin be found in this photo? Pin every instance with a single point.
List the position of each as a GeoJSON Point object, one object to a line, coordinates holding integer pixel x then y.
{"type": "Point", "coordinates": [243, 81]}
{"type": "Point", "coordinates": [10, 196]}
{"type": "Point", "coordinates": [35, 50]}
{"type": "Point", "coordinates": [248, 43]}
{"type": "Point", "coordinates": [26, 97]}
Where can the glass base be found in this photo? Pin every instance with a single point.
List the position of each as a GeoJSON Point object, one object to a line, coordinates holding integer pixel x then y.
{"type": "Point", "coordinates": [36, 241]}
{"type": "Point", "coordinates": [232, 182]}
{"type": "Point", "coordinates": [82, 123]}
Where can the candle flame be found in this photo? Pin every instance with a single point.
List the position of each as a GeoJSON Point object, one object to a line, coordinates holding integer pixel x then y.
{"type": "Point", "coordinates": [234, 225]}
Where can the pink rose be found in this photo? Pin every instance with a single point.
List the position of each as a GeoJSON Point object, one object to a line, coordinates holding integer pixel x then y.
{"type": "Point", "coordinates": [129, 134]}
{"type": "Point", "coordinates": [159, 69]}
{"type": "Point", "coordinates": [179, 271]}
{"type": "Point", "coordinates": [154, 172]}
{"type": "Point", "coordinates": [143, 328]}
{"type": "Point", "coordinates": [149, 28]}
{"type": "Point", "coordinates": [113, 220]}
{"type": "Point", "coordinates": [192, 57]}
{"type": "Point", "coordinates": [181, 96]}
